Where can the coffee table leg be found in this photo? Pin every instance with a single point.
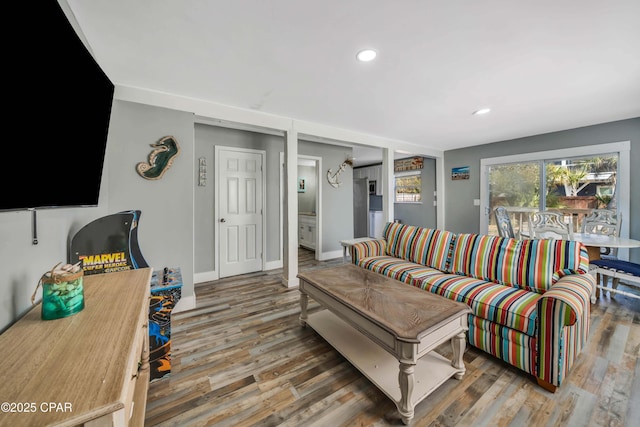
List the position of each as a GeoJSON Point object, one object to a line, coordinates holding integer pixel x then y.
{"type": "Point", "coordinates": [458, 344]}
{"type": "Point", "coordinates": [304, 301]}
{"type": "Point", "coordinates": [405, 377]}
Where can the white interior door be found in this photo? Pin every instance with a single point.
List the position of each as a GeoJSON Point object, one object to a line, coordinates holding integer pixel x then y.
{"type": "Point", "coordinates": [240, 202]}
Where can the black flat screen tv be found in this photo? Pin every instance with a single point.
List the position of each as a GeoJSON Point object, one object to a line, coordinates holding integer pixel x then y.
{"type": "Point", "coordinates": [58, 110]}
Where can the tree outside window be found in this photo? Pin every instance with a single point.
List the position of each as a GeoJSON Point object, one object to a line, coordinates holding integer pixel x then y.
{"type": "Point", "coordinates": [570, 180]}
{"type": "Point", "coordinates": [571, 185]}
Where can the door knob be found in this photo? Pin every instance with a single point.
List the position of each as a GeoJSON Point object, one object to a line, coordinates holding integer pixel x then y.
{"type": "Point", "coordinates": [223, 220]}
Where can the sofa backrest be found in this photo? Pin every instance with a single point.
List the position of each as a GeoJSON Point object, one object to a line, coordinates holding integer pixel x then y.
{"type": "Point", "coordinates": [533, 265]}
{"type": "Point", "coordinates": [426, 246]}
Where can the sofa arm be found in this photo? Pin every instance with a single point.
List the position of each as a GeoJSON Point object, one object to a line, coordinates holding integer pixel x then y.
{"type": "Point", "coordinates": [574, 292]}
{"type": "Point", "coordinates": [563, 326]}
{"type": "Point", "coordinates": [368, 248]}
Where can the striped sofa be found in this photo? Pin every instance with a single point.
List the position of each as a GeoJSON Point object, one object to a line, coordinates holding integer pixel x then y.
{"type": "Point", "coordinates": [530, 299]}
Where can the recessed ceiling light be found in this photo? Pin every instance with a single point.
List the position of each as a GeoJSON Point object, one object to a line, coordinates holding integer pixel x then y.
{"type": "Point", "coordinates": [366, 55]}
{"type": "Point", "coordinates": [482, 111]}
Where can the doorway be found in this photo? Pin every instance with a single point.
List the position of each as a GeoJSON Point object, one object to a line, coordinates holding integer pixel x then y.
{"type": "Point", "coordinates": [309, 204]}
{"type": "Point", "coordinates": [307, 185]}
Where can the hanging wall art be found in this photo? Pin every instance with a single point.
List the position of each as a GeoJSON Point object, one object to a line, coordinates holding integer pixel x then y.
{"type": "Point", "coordinates": [460, 173]}
{"type": "Point", "coordinates": [160, 158]}
{"type": "Point", "coordinates": [334, 178]}
{"type": "Point", "coordinates": [202, 171]}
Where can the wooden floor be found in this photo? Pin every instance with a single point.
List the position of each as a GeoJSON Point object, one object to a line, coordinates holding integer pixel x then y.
{"type": "Point", "coordinates": [241, 359]}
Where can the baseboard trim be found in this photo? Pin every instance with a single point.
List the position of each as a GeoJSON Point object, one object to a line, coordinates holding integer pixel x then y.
{"type": "Point", "coordinates": [207, 276]}
{"type": "Point", "coordinates": [184, 304]}
{"type": "Point", "coordinates": [324, 256]}
{"type": "Point", "coordinates": [272, 265]}
{"type": "Point", "coordinates": [293, 283]}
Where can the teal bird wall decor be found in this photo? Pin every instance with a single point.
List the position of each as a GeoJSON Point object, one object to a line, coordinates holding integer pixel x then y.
{"type": "Point", "coordinates": [160, 158]}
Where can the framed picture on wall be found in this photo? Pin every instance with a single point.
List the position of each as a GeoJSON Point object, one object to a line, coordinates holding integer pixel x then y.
{"type": "Point", "coordinates": [372, 187]}
{"type": "Point", "coordinates": [410, 164]}
{"type": "Point", "coordinates": [460, 173]}
{"type": "Point", "coordinates": [302, 185]}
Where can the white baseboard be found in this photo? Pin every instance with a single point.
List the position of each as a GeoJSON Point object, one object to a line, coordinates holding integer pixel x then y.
{"type": "Point", "coordinates": [293, 283]}
{"type": "Point", "coordinates": [324, 256]}
{"type": "Point", "coordinates": [207, 276]}
{"type": "Point", "coordinates": [272, 265]}
{"type": "Point", "coordinates": [184, 304]}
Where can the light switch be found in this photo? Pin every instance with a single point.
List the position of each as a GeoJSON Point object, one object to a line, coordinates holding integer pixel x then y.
{"type": "Point", "coordinates": [476, 202]}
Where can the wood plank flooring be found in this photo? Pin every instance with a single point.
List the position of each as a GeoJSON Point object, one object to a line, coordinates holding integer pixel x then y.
{"type": "Point", "coordinates": [241, 359]}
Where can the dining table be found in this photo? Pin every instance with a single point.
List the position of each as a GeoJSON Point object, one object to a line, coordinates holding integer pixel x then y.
{"type": "Point", "coordinates": [594, 242]}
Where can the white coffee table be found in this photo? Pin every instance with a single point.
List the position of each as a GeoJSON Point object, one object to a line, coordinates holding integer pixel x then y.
{"type": "Point", "coordinates": [387, 329]}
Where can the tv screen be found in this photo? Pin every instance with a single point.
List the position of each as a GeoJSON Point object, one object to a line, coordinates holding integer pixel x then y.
{"type": "Point", "coordinates": [59, 104]}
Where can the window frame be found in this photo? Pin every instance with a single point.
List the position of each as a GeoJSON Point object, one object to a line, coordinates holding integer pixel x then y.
{"type": "Point", "coordinates": [623, 149]}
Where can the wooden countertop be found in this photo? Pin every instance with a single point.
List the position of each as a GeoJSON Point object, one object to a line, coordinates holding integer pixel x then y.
{"type": "Point", "coordinates": [79, 363]}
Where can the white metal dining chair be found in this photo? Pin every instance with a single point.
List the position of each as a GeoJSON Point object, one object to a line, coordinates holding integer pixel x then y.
{"type": "Point", "coordinates": [604, 222]}
{"type": "Point", "coordinates": [550, 225]}
{"type": "Point", "coordinates": [505, 229]}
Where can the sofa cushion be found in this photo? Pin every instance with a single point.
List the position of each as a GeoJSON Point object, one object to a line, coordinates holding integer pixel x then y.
{"type": "Point", "coordinates": [533, 265]}
{"type": "Point", "coordinates": [618, 265]}
{"type": "Point", "coordinates": [430, 247]}
{"type": "Point", "coordinates": [396, 268]}
{"type": "Point", "coordinates": [505, 305]}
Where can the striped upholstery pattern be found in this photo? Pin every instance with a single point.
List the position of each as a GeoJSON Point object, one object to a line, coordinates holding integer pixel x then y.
{"type": "Point", "coordinates": [533, 265]}
{"type": "Point", "coordinates": [424, 246]}
{"type": "Point", "coordinates": [368, 248]}
{"type": "Point", "coordinates": [513, 347]}
{"type": "Point", "coordinates": [563, 326]}
{"type": "Point", "coordinates": [530, 299]}
{"type": "Point", "coordinates": [395, 268]}
{"type": "Point", "coordinates": [504, 305]}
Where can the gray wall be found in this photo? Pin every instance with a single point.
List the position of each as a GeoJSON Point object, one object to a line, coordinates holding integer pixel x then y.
{"type": "Point", "coordinates": [206, 139]}
{"type": "Point", "coordinates": [165, 230]}
{"type": "Point", "coordinates": [337, 203]}
{"type": "Point", "coordinates": [423, 214]}
{"type": "Point", "coordinates": [177, 215]}
{"type": "Point", "coordinates": [463, 216]}
{"type": "Point", "coordinates": [23, 263]}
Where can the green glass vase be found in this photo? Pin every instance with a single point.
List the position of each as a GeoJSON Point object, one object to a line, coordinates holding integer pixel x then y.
{"type": "Point", "coordinates": [62, 295]}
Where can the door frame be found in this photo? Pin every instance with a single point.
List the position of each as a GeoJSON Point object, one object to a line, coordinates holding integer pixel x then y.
{"type": "Point", "coordinates": [216, 203]}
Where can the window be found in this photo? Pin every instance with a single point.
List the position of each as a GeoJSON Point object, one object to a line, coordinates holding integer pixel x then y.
{"type": "Point", "coordinates": [408, 188]}
{"type": "Point", "coordinates": [572, 180]}
{"type": "Point", "coordinates": [571, 185]}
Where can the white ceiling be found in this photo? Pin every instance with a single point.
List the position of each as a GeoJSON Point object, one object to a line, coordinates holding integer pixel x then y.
{"type": "Point", "coordinates": [541, 65]}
